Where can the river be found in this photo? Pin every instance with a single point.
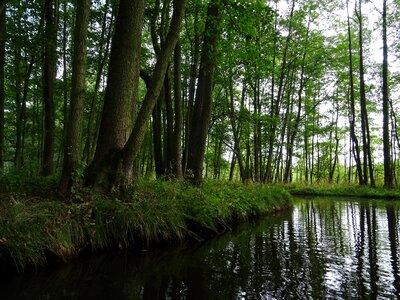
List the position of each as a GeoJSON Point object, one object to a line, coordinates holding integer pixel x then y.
{"type": "Point", "coordinates": [324, 248]}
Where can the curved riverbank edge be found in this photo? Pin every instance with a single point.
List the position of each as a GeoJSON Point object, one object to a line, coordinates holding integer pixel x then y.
{"type": "Point", "coordinates": [34, 230]}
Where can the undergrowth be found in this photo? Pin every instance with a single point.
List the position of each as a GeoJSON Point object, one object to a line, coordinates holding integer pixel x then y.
{"type": "Point", "coordinates": [34, 229]}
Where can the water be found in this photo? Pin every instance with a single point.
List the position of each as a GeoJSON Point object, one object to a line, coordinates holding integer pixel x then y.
{"type": "Point", "coordinates": [323, 249]}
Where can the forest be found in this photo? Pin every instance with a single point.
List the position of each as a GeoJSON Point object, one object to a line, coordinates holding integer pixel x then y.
{"type": "Point", "coordinates": [99, 93]}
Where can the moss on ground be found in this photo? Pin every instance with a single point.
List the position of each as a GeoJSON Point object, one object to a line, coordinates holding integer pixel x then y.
{"type": "Point", "coordinates": [34, 225]}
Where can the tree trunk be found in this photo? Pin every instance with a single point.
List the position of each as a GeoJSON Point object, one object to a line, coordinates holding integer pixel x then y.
{"type": "Point", "coordinates": [122, 87]}
{"type": "Point", "coordinates": [134, 142]}
{"type": "Point", "coordinates": [275, 103]}
{"type": "Point", "coordinates": [49, 76]}
{"type": "Point", "coordinates": [2, 76]}
{"type": "Point", "coordinates": [195, 56]}
{"type": "Point", "coordinates": [367, 162]}
{"type": "Point", "coordinates": [203, 102]}
{"type": "Point", "coordinates": [176, 155]}
{"type": "Point", "coordinates": [352, 114]}
{"type": "Point", "coordinates": [157, 137]}
{"type": "Point", "coordinates": [388, 178]}
{"type": "Point", "coordinates": [72, 150]}
{"type": "Point", "coordinates": [104, 48]}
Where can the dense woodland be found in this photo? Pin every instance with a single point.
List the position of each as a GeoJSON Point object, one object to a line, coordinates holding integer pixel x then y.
{"type": "Point", "coordinates": [100, 92]}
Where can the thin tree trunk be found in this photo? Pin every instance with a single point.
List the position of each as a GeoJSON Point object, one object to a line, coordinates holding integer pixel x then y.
{"type": "Point", "coordinates": [352, 115]}
{"type": "Point", "coordinates": [176, 155]}
{"type": "Point", "coordinates": [275, 103]}
{"type": "Point", "coordinates": [2, 76]}
{"type": "Point", "coordinates": [49, 76]}
{"type": "Point", "coordinates": [72, 151]}
{"type": "Point", "coordinates": [388, 178]}
{"type": "Point", "coordinates": [104, 48]}
{"type": "Point", "coordinates": [367, 161]}
{"type": "Point", "coordinates": [194, 68]}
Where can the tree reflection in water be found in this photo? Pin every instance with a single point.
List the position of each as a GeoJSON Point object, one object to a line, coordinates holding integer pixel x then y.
{"type": "Point", "coordinates": [322, 249]}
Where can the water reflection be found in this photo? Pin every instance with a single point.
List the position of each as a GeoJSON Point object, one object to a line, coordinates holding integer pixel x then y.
{"type": "Point", "coordinates": [322, 249]}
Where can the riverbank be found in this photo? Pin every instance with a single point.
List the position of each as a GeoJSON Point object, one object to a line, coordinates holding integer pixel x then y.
{"type": "Point", "coordinates": [35, 226]}
{"type": "Point", "coordinates": [341, 190]}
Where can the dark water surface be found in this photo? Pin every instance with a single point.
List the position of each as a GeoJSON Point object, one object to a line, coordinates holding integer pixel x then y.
{"type": "Point", "coordinates": [324, 248]}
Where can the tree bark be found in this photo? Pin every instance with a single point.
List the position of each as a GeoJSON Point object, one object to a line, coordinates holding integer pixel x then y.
{"type": "Point", "coordinates": [176, 155]}
{"type": "Point", "coordinates": [2, 76]}
{"type": "Point", "coordinates": [72, 150]}
{"type": "Point", "coordinates": [388, 178]}
{"type": "Point", "coordinates": [132, 147]}
{"type": "Point", "coordinates": [104, 48]}
{"type": "Point", "coordinates": [49, 76]}
{"type": "Point", "coordinates": [203, 101]}
{"type": "Point", "coordinates": [367, 161]}
{"type": "Point", "coordinates": [122, 87]}
{"type": "Point", "coordinates": [352, 113]}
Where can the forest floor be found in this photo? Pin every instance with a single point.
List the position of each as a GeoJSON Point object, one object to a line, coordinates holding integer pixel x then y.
{"type": "Point", "coordinates": [35, 226]}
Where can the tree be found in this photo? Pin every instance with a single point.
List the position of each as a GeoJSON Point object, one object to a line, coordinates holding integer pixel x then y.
{"type": "Point", "coordinates": [49, 76]}
{"type": "Point", "coordinates": [352, 113]}
{"type": "Point", "coordinates": [72, 147]}
{"type": "Point", "coordinates": [2, 76]}
{"type": "Point", "coordinates": [122, 87]}
{"type": "Point", "coordinates": [388, 178]}
{"type": "Point", "coordinates": [367, 161]}
{"type": "Point", "coordinates": [203, 101]}
{"type": "Point", "coordinates": [112, 166]}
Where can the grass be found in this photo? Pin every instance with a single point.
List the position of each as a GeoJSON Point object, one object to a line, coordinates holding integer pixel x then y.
{"type": "Point", "coordinates": [36, 226]}
{"type": "Point", "coordinates": [342, 190]}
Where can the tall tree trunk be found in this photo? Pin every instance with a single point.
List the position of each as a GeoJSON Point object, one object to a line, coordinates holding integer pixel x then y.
{"type": "Point", "coordinates": [388, 178]}
{"type": "Point", "coordinates": [176, 155]}
{"type": "Point", "coordinates": [352, 114]}
{"type": "Point", "coordinates": [302, 85]}
{"type": "Point", "coordinates": [104, 48]}
{"type": "Point", "coordinates": [2, 76]}
{"type": "Point", "coordinates": [157, 137]}
{"type": "Point", "coordinates": [122, 87]}
{"type": "Point", "coordinates": [49, 76]}
{"type": "Point", "coordinates": [335, 158]}
{"type": "Point", "coordinates": [203, 102]}
{"type": "Point", "coordinates": [275, 103]}
{"type": "Point", "coordinates": [135, 140]}
{"type": "Point", "coordinates": [21, 117]}
{"type": "Point", "coordinates": [367, 161]}
{"type": "Point", "coordinates": [195, 61]}
{"type": "Point", "coordinates": [72, 151]}
{"type": "Point", "coordinates": [235, 130]}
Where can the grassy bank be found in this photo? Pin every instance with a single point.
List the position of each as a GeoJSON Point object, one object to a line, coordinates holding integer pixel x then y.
{"type": "Point", "coordinates": [34, 225]}
{"type": "Point", "coordinates": [342, 190]}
